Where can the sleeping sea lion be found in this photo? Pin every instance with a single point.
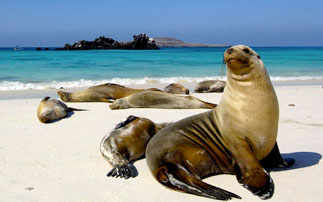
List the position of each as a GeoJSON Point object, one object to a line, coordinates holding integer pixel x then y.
{"type": "Point", "coordinates": [50, 110]}
{"type": "Point", "coordinates": [209, 86]}
{"type": "Point", "coordinates": [230, 139]}
{"type": "Point", "coordinates": [127, 143]}
{"type": "Point", "coordinates": [161, 100]}
{"type": "Point", "coordinates": [176, 88]}
{"type": "Point", "coordinates": [100, 93]}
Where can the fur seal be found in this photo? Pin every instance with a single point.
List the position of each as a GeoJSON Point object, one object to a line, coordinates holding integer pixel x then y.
{"type": "Point", "coordinates": [50, 110]}
{"type": "Point", "coordinates": [210, 86]}
{"type": "Point", "coordinates": [230, 139]}
{"type": "Point", "coordinates": [161, 100]}
{"type": "Point", "coordinates": [100, 93]}
{"type": "Point", "coordinates": [176, 88]}
{"type": "Point", "coordinates": [127, 143]}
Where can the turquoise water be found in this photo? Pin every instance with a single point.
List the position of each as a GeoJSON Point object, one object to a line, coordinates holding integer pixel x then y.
{"type": "Point", "coordinates": [30, 69]}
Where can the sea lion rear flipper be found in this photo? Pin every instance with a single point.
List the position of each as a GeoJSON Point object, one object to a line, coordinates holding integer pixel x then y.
{"type": "Point", "coordinates": [126, 122]}
{"type": "Point", "coordinates": [180, 179]}
{"type": "Point", "coordinates": [45, 98]}
{"type": "Point", "coordinates": [275, 160]}
{"type": "Point", "coordinates": [71, 109]}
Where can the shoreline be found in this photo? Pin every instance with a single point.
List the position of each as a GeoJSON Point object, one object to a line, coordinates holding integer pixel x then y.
{"type": "Point", "coordinates": [40, 93]}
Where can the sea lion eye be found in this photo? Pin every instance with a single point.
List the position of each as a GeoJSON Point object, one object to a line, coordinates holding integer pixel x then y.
{"type": "Point", "coordinates": [246, 50]}
{"type": "Point", "coordinates": [258, 57]}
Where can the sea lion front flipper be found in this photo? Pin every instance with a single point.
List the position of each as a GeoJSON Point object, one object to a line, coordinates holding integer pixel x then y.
{"type": "Point", "coordinates": [123, 171]}
{"type": "Point", "coordinates": [275, 160]}
{"type": "Point", "coordinates": [179, 179]}
{"type": "Point", "coordinates": [250, 173]}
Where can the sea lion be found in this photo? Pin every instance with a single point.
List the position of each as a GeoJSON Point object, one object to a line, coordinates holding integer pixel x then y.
{"type": "Point", "coordinates": [230, 139]}
{"type": "Point", "coordinates": [161, 100]}
{"type": "Point", "coordinates": [176, 88]}
{"type": "Point", "coordinates": [100, 93]}
{"type": "Point", "coordinates": [127, 143]}
{"type": "Point", "coordinates": [50, 110]}
{"type": "Point", "coordinates": [209, 86]}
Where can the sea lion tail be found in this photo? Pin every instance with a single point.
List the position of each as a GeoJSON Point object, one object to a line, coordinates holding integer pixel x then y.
{"type": "Point", "coordinates": [45, 98]}
{"type": "Point", "coordinates": [179, 179]}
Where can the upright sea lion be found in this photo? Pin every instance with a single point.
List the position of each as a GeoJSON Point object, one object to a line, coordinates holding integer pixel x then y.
{"type": "Point", "coordinates": [100, 93]}
{"type": "Point", "coordinates": [230, 139]}
{"type": "Point", "coordinates": [127, 143]}
{"type": "Point", "coordinates": [161, 100]}
{"type": "Point", "coordinates": [176, 88]}
{"type": "Point", "coordinates": [50, 110]}
{"type": "Point", "coordinates": [210, 86]}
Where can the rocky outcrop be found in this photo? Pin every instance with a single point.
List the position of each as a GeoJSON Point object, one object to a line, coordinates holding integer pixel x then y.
{"type": "Point", "coordinates": [140, 42]}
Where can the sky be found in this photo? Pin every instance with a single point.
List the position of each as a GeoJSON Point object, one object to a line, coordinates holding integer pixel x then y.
{"type": "Point", "coordinates": [251, 22]}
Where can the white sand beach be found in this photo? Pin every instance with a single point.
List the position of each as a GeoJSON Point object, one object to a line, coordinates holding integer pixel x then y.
{"type": "Point", "coordinates": [61, 161]}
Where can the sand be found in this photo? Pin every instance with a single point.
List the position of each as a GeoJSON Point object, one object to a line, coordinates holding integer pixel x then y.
{"type": "Point", "coordinates": [61, 161]}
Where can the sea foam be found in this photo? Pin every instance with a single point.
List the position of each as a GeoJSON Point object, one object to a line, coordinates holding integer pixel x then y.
{"type": "Point", "coordinates": [17, 85]}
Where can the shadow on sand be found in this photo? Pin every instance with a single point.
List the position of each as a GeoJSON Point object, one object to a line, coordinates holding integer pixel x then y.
{"type": "Point", "coordinates": [302, 160]}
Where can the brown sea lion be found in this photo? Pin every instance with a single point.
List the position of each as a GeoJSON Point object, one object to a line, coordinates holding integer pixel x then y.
{"type": "Point", "coordinates": [127, 143]}
{"type": "Point", "coordinates": [100, 93]}
{"type": "Point", "coordinates": [50, 110]}
{"type": "Point", "coordinates": [210, 86]}
{"type": "Point", "coordinates": [230, 139]}
{"type": "Point", "coordinates": [160, 100]}
{"type": "Point", "coordinates": [176, 88]}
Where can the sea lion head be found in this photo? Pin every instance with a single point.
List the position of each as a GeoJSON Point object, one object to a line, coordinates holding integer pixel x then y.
{"type": "Point", "coordinates": [65, 96]}
{"type": "Point", "coordinates": [176, 88]}
{"type": "Point", "coordinates": [241, 60]}
{"type": "Point", "coordinates": [119, 104]}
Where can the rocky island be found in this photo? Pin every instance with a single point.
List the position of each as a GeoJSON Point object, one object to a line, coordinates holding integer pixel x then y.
{"type": "Point", "coordinates": [139, 42]}
{"type": "Point", "coordinates": [176, 43]}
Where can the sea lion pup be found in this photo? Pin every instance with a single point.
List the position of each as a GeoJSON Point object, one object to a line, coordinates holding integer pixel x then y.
{"type": "Point", "coordinates": [100, 93]}
{"type": "Point", "coordinates": [50, 110]}
{"type": "Point", "coordinates": [176, 88]}
{"type": "Point", "coordinates": [230, 139]}
{"type": "Point", "coordinates": [160, 100]}
{"type": "Point", "coordinates": [127, 143]}
{"type": "Point", "coordinates": [209, 86]}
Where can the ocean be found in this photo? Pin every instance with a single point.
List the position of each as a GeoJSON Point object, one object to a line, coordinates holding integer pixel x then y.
{"type": "Point", "coordinates": [31, 69]}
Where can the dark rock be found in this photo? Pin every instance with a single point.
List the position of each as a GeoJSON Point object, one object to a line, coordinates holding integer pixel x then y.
{"type": "Point", "coordinates": [38, 49]}
{"type": "Point", "coordinates": [140, 42]}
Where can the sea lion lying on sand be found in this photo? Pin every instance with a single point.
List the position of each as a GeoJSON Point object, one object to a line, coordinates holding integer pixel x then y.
{"type": "Point", "coordinates": [50, 110]}
{"type": "Point", "coordinates": [160, 100]}
{"type": "Point", "coordinates": [127, 143]}
{"type": "Point", "coordinates": [176, 88]}
{"type": "Point", "coordinates": [210, 86]}
{"type": "Point", "coordinates": [100, 93]}
{"type": "Point", "coordinates": [230, 139]}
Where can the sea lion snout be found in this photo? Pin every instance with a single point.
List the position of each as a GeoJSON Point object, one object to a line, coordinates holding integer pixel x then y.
{"type": "Point", "coordinates": [65, 96]}
{"type": "Point", "coordinates": [229, 50]}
